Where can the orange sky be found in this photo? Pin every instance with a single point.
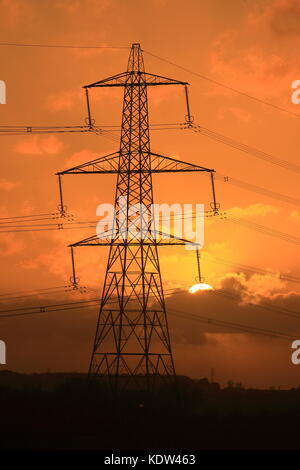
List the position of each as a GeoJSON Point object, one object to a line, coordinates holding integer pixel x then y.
{"type": "Point", "coordinates": [251, 46]}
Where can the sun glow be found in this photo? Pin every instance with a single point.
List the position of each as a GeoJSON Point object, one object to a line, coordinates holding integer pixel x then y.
{"type": "Point", "coordinates": [201, 286]}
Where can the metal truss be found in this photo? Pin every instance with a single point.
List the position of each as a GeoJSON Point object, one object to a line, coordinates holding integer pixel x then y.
{"type": "Point", "coordinates": [132, 346]}
{"type": "Point", "coordinates": [158, 164]}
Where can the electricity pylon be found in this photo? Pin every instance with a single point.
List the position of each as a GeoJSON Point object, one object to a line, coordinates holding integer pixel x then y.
{"type": "Point", "coordinates": [132, 342]}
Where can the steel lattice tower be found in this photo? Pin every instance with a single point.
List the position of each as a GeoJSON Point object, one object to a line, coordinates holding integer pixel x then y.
{"type": "Point", "coordinates": [133, 271]}
{"type": "Point", "coordinates": [132, 341]}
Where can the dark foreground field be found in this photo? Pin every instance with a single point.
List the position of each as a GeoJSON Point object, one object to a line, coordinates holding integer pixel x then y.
{"type": "Point", "coordinates": [59, 411]}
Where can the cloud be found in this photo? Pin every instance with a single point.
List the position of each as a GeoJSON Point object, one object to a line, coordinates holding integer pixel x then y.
{"type": "Point", "coordinates": [253, 210]}
{"type": "Point", "coordinates": [64, 100]}
{"type": "Point", "coordinates": [257, 66]}
{"type": "Point", "coordinates": [263, 73]}
{"type": "Point", "coordinates": [63, 340]}
{"type": "Point", "coordinates": [15, 12]}
{"type": "Point", "coordinates": [252, 288]}
{"type": "Point", "coordinates": [281, 16]}
{"type": "Point", "coordinates": [83, 156]}
{"type": "Point", "coordinates": [294, 216]}
{"type": "Point", "coordinates": [71, 7]}
{"type": "Point", "coordinates": [10, 244]}
{"type": "Point", "coordinates": [7, 185]}
{"type": "Point", "coordinates": [238, 113]}
{"type": "Point", "coordinates": [35, 145]}
{"type": "Point", "coordinates": [54, 261]}
{"type": "Point", "coordinates": [251, 293]}
{"type": "Point", "coordinates": [158, 95]}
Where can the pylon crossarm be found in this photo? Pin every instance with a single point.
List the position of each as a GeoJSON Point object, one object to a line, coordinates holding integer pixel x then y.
{"type": "Point", "coordinates": [107, 164]}
{"type": "Point", "coordinates": [160, 80]}
{"type": "Point", "coordinates": [110, 165]}
{"type": "Point", "coordinates": [173, 240]}
{"type": "Point", "coordinates": [122, 79]}
{"type": "Point", "coordinates": [161, 163]}
{"type": "Point", "coordinates": [105, 239]}
{"type": "Point", "coordinates": [115, 80]}
{"type": "Point", "coordinates": [97, 242]}
{"type": "Point", "coordinates": [157, 238]}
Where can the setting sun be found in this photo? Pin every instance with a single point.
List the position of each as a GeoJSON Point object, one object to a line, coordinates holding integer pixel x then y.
{"type": "Point", "coordinates": [201, 286]}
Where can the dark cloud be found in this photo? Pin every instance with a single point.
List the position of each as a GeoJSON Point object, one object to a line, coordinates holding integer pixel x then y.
{"type": "Point", "coordinates": [285, 17]}
{"type": "Point", "coordinates": [63, 340]}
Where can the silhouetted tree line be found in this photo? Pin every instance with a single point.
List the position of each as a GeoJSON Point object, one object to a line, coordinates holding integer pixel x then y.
{"type": "Point", "coordinates": [64, 411]}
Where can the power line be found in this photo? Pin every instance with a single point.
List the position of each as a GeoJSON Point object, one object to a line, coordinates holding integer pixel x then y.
{"type": "Point", "coordinates": [257, 189]}
{"type": "Point", "coordinates": [24, 132]}
{"type": "Point", "coordinates": [21, 222]}
{"type": "Point", "coordinates": [246, 223]}
{"type": "Point", "coordinates": [27, 216]}
{"type": "Point", "coordinates": [48, 225]}
{"type": "Point", "coordinates": [233, 325]}
{"type": "Point", "coordinates": [215, 82]}
{"type": "Point", "coordinates": [42, 308]}
{"type": "Point", "coordinates": [222, 292]}
{"type": "Point", "coordinates": [200, 318]}
{"type": "Point", "coordinates": [223, 85]}
{"type": "Point", "coordinates": [34, 294]}
{"type": "Point", "coordinates": [59, 46]}
{"type": "Point", "coordinates": [31, 290]}
{"type": "Point", "coordinates": [39, 309]}
{"type": "Point", "coordinates": [240, 221]}
{"type": "Point", "coordinates": [265, 230]}
{"type": "Point", "coordinates": [59, 227]}
{"type": "Point", "coordinates": [42, 311]}
{"type": "Point", "coordinates": [237, 220]}
{"type": "Point", "coordinates": [246, 148]}
{"type": "Point", "coordinates": [263, 305]}
{"type": "Point", "coordinates": [7, 294]}
{"type": "Point", "coordinates": [253, 269]}
{"type": "Point", "coordinates": [252, 187]}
